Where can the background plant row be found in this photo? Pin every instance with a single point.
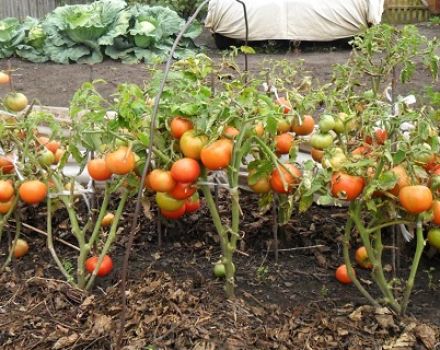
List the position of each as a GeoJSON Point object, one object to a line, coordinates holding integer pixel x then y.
{"type": "Point", "coordinates": [87, 33]}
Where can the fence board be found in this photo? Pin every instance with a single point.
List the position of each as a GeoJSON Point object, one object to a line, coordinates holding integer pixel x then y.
{"type": "Point", "coordinates": [34, 8]}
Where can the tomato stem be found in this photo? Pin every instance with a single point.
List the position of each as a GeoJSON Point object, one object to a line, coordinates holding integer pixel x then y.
{"type": "Point", "coordinates": [415, 264]}
{"type": "Point", "coordinates": [347, 261]}
{"type": "Point", "coordinates": [16, 236]}
{"type": "Point", "coordinates": [50, 245]}
{"type": "Point", "coordinates": [110, 239]}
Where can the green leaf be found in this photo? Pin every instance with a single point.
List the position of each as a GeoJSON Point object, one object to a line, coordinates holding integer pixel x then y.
{"type": "Point", "coordinates": [247, 50]}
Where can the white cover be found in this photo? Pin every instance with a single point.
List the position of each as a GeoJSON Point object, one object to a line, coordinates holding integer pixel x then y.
{"type": "Point", "coordinates": [308, 20]}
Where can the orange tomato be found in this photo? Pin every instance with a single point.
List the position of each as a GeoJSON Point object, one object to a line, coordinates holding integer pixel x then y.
{"type": "Point", "coordinates": [4, 78]}
{"type": "Point", "coordinates": [161, 180]}
{"type": "Point", "coordinates": [6, 206]}
{"type": "Point", "coordinates": [347, 187]}
{"type": "Point", "coordinates": [283, 143]}
{"type": "Point", "coordinates": [21, 248]}
{"type": "Point", "coordinates": [306, 127]}
{"type": "Point", "coordinates": [436, 212]}
{"type": "Point", "coordinates": [217, 155]}
{"type": "Point", "coordinates": [107, 220]}
{"type": "Point", "coordinates": [262, 185]}
{"type": "Point", "coordinates": [342, 275]}
{"type": "Point", "coordinates": [32, 191]}
{"type": "Point", "coordinates": [59, 154]}
{"type": "Point", "coordinates": [317, 154]}
{"type": "Point", "coordinates": [291, 178]}
{"type": "Point", "coordinates": [415, 199]}
{"type": "Point", "coordinates": [120, 162]}
{"type": "Point", "coordinates": [259, 129]}
{"type": "Point", "coordinates": [230, 132]}
{"type": "Point", "coordinates": [98, 169]}
{"type": "Point", "coordinates": [6, 190]}
{"type": "Point", "coordinates": [180, 125]}
{"type": "Point", "coordinates": [361, 257]}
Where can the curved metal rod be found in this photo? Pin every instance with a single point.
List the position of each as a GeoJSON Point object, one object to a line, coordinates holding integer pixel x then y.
{"type": "Point", "coordinates": [247, 33]}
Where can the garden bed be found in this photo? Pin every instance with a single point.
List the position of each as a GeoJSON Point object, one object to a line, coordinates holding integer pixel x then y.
{"type": "Point", "coordinates": [174, 302]}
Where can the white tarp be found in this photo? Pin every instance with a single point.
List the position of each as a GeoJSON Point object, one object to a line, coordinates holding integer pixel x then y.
{"type": "Point", "coordinates": [308, 20]}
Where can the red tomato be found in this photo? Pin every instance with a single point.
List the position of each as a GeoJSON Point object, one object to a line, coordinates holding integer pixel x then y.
{"type": "Point", "coordinates": [160, 180]}
{"type": "Point", "coordinates": [183, 190]}
{"type": "Point", "coordinates": [347, 187]}
{"type": "Point", "coordinates": [104, 269]}
{"type": "Point", "coordinates": [192, 204]}
{"type": "Point", "coordinates": [380, 136]}
{"type": "Point", "coordinates": [217, 155]}
{"type": "Point", "coordinates": [415, 199]}
{"type": "Point", "coordinates": [361, 150]}
{"type": "Point", "coordinates": [185, 170]}
{"type": "Point", "coordinates": [173, 214]}
{"type": "Point", "coordinates": [276, 181]}
{"type": "Point", "coordinates": [342, 275]}
{"type": "Point", "coordinates": [6, 166]}
{"type": "Point", "coordinates": [285, 104]}
{"type": "Point", "coordinates": [179, 126]}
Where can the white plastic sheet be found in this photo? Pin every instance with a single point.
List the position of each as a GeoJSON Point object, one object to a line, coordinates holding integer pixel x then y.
{"type": "Point", "coordinates": [302, 20]}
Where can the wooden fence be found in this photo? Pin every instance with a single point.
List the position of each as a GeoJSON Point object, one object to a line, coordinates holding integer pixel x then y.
{"type": "Point", "coordinates": [34, 8]}
{"type": "Point", "coordinates": [396, 11]}
{"type": "Point", "coordinates": [408, 11]}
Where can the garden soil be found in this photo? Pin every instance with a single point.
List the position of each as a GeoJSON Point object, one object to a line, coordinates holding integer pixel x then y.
{"type": "Point", "coordinates": [174, 302]}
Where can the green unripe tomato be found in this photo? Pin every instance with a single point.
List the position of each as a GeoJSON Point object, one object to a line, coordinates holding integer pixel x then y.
{"type": "Point", "coordinates": [321, 141]}
{"type": "Point", "coordinates": [434, 237]}
{"type": "Point", "coordinates": [326, 123]}
{"type": "Point", "coordinates": [46, 158]}
{"type": "Point", "coordinates": [166, 202]}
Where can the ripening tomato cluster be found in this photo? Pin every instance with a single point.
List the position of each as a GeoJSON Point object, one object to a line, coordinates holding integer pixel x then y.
{"type": "Point", "coordinates": [284, 178]}
{"type": "Point", "coordinates": [119, 162]}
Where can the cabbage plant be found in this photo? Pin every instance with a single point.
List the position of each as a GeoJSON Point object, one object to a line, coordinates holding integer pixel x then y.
{"type": "Point", "coordinates": [77, 32]}
{"type": "Point", "coordinates": [151, 34]}
{"type": "Point", "coordinates": [11, 35]}
{"type": "Point", "coordinates": [32, 47]}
